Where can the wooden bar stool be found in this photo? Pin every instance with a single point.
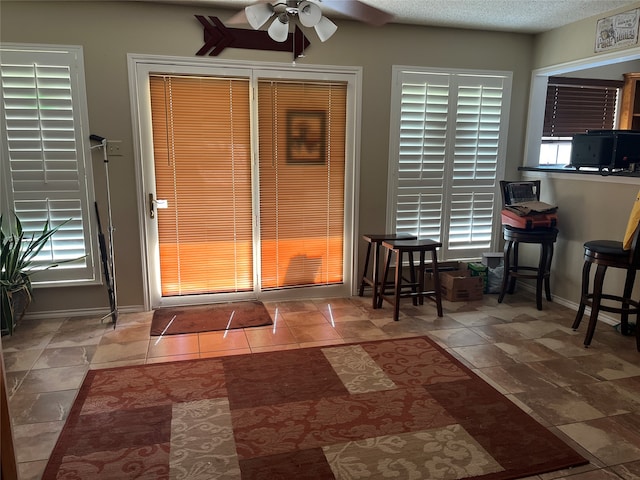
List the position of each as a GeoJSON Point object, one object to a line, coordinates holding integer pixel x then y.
{"type": "Point", "coordinates": [373, 241]}
{"type": "Point", "coordinates": [610, 253]}
{"type": "Point", "coordinates": [545, 237]}
{"type": "Point", "coordinates": [414, 288]}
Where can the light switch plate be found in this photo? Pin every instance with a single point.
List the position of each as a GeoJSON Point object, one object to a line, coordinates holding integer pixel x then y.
{"type": "Point", "coordinates": [114, 148]}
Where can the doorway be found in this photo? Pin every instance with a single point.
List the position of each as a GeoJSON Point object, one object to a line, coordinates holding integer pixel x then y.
{"type": "Point", "coordinates": [247, 182]}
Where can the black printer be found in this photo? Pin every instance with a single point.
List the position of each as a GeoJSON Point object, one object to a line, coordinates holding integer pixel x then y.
{"type": "Point", "coordinates": [606, 149]}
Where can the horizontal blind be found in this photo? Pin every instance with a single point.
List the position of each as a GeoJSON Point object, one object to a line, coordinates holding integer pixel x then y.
{"type": "Point", "coordinates": [575, 105]}
{"type": "Point", "coordinates": [45, 157]}
{"type": "Point", "coordinates": [203, 169]}
{"type": "Point", "coordinates": [302, 127]}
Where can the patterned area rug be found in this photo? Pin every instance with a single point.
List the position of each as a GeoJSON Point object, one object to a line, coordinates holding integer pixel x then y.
{"type": "Point", "coordinates": [399, 408]}
{"type": "Point", "coordinates": [208, 318]}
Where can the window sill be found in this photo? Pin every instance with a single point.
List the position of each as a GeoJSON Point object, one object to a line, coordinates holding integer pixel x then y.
{"type": "Point", "coordinates": [590, 174]}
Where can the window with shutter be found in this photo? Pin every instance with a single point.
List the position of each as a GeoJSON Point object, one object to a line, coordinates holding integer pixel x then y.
{"type": "Point", "coordinates": [447, 150]}
{"type": "Point", "coordinates": [46, 172]}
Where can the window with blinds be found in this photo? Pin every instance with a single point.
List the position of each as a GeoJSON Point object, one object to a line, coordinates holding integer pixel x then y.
{"type": "Point", "coordinates": [46, 170]}
{"type": "Point", "coordinates": [202, 156]}
{"type": "Point", "coordinates": [575, 105]}
{"type": "Point", "coordinates": [302, 128]}
{"type": "Point", "coordinates": [447, 146]}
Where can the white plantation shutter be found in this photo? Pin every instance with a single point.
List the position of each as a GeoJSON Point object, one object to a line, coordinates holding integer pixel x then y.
{"type": "Point", "coordinates": [45, 169]}
{"type": "Point", "coordinates": [447, 154]}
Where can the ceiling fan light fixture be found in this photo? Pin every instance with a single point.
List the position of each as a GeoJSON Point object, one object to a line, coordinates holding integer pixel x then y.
{"type": "Point", "coordinates": [258, 14]}
{"type": "Point", "coordinates": [309, 14]}
{"type": "Point", "coordinates": [279, 28]}
{"type": "Point", "coordinates": [325, 29]}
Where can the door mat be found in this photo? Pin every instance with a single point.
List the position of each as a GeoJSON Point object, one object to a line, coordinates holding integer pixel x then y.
{"type": "Point", "coordinates": [209, 318]}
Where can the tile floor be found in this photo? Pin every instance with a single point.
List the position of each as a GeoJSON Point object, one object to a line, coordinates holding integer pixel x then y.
{"type": "Point", "coordinates": [589, 397]}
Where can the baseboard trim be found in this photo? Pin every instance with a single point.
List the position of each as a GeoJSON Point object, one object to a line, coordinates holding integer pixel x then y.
{"type": "Point", "coordinates": [602, 317]}
{"type": "Point", "coordinates": [85, 312]}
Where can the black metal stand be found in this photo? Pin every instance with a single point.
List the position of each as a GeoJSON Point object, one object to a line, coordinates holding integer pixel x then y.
{"type": "Point", "coordinates": [107, 254]}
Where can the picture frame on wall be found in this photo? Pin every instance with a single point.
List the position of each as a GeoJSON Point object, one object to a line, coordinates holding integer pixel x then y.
{"type": "Point", "coordinates": [306, 136]}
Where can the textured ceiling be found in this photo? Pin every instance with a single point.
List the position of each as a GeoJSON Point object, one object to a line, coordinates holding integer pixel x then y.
{"type": "Point", "coordinates": [525, 16]}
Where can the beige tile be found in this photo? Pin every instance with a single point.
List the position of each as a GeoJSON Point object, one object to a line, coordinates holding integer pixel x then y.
{"type": "Point", "coordinates": [481, 356]}
{"type": "Point", "coordinates": [314, 332]}
{"type": "Point", "coordinates": [65, 357]}
{"type": "Point", "coordinates": [20, 360]}
{"type": "Point", "coordinates": [628, 471]}
{"type": "Point", "coordinates": [360, 329]}
{"type": "Point", "coordinates": [173, 358]}
{"type": "Point", "coordinates": [173, 345]}
{"type": "Point", "coordinates": [122, 363]}
{"type": "Point", "coordinates": [559, 406]}
{"type": "Point", "coordinates": [527, 351]}
{"type": "Point", "coordinates": [126, 333]}
{"type": "Point", "coordinates": [607, 366]}
{"type": "Point", "coordinates": [26, 341]}
{"type": "Point", "coordinates": [267, 336]}
{"type": "Point", "coordinates": [475, 318]}
{"type": "Point", "coordinates": [457, 337]}
{"type": "Point", "coordinates": [516, 377]}
{"type": "Point", "coordinates": [223, 340]}
{"type": "Point", "coordinates": [31, 470]}
{"type": "Point", "coordinates": [117, 352]}
{"type": "Point", "coordinates": [35, 441]}
{"type": "Point", "coordinates": [54, 379]}
{"type": "Point", "coordinates": [41, 407]}
{"type": "Point", "coordinates": [237, 351]}
{"type": "Point", "coordinates": [606, 439]}
{"type": "Point", "coordinates": [296, 319]}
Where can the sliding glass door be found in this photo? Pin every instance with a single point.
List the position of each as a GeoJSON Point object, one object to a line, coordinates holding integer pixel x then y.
{"type": "Point", "coordinates": [247, 184]}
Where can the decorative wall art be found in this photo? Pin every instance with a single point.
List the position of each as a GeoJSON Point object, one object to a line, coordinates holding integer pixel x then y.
{"type": "Point", "coordinates": [217, 37]}
{"type": "Point", "coordinates": [306, 136]}
{"type": "Point", "coordinates": [617, 31]}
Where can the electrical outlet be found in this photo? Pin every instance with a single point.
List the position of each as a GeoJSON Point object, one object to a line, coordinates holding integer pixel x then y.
{"type": "Point", "coordinates": [114, 148]}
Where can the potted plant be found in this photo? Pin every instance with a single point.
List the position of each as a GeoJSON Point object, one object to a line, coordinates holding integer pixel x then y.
{"type": "Point", "coordinates": [16, 268]}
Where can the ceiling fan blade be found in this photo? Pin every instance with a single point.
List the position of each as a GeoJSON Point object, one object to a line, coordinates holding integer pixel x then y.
{"type": "Point", "coordinates": [359, 11]}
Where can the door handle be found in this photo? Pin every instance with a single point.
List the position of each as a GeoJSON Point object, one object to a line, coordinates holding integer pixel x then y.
{"type": "Point", "coordinates": [152, 206]}
{"type": "Point", "coordinates": [155, 204]}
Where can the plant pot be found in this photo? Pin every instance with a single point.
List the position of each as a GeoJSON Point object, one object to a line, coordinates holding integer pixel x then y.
{"type": "Point", "coordinates": [20, 301]}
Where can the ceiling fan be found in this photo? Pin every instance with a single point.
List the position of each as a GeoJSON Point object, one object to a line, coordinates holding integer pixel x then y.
{"type": "Point", "coordinates": [309, 14]}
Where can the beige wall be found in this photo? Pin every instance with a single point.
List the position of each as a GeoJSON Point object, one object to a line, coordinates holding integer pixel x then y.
{"type": "Point", "coordinates": [109, 31]}
{"type": "Point", "coordinates": [590, 207]}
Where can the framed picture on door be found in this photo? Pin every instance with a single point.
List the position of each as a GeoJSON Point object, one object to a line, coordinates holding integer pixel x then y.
{"type": "Point", "coordinates": [306, 136]}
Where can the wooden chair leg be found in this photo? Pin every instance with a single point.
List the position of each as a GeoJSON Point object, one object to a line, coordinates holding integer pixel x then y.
{"type": "Point", "coordinates": [506, 270]}
{"type": "Point", "coordinates": [364, 273]}
{"type": "Point", "coordinates": [628, 292]}
{"type": "Point", "coordinates": [586, 269]}
{"type": "Point", "coordinates": [436, 283]}
{"type": "Point", "coordinates": [547, 278]}
{"type": "Point", "coordinates": [398, 285]}
{"type": "Point", "coordinates": [595, 303]}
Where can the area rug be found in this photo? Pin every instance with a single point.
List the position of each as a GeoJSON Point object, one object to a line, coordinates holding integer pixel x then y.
{"type": "Point", "coordinates": [402, 409]}
{"type": "Point", "coordinates": [208, 318]}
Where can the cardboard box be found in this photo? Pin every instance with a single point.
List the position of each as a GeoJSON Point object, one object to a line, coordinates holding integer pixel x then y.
{"type": "Point", "coordinates": [482, 271]}
{"type": "Point", "coordinates": [460, 286]}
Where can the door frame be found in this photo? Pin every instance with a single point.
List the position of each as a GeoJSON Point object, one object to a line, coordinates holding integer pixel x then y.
{"type": "Point", "coordinates": [139, 67]}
